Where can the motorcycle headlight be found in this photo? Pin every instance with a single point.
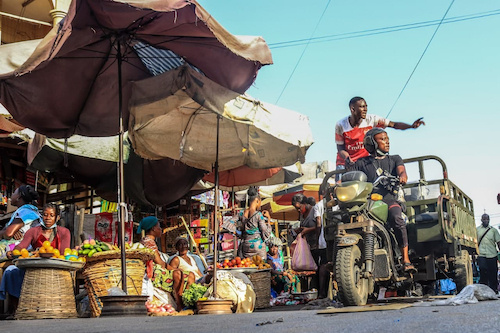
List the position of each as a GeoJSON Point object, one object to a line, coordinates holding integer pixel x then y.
{"type": "Point", "coordinates": [346, 193]}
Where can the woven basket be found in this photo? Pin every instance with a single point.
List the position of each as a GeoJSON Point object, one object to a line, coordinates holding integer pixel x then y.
{"type": "Point", "coordinates": [47, 293]}
{"type": "Point", "coordinates": [262, 287]}
{"type": "Point", "coordinates": [144, 254]}
{"type": "Point", "coordinates": [103, 271]}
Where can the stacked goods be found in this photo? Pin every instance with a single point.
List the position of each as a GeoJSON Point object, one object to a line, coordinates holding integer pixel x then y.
{"type": "Point", "coordinates": [92, 246]}
{"type": "Point", "coordinates": [156, 306]}
{"type": "Point", "coordinates": [251, 262]}
{"type": "Point", "coordinates": [47, 251]}
{"type": "Point", "coordinates": [260, 263]}
{"type": "Point", "coordinates": [194, 293]}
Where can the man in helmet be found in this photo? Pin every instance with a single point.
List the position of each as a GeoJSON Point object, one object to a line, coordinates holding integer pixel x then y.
{"type": "Point", "coordinates": [379, 163]}
{"type": "Point", "coordinates": [350, 131]}
{"type": "Point", "coordinates": [488, 240]}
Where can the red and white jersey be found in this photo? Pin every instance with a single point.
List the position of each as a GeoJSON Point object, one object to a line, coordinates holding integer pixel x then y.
{"type": "Point", "coordinates": [352, 137]}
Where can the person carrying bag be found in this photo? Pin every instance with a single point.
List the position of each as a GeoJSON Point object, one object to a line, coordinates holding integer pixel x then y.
{"type": "Point", "coordinates": [302, 259]}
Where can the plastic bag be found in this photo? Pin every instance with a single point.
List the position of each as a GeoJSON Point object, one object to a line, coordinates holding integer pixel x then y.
{"type": "Point", "coordinates": [302, 259]}
{"type": "Point", "coordinates": [469, 295]}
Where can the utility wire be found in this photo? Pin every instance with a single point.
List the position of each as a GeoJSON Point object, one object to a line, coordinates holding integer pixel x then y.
{"type": "Point", "coordinates": [418, 62]}
{"type": "Point", "coordinates": [378, 31]}
{"type": "Point", "coordinates": [303, 51]}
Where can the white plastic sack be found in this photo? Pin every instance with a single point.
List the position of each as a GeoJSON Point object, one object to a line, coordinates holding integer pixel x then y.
{"type": "Point", "coordinates": [469, 295]}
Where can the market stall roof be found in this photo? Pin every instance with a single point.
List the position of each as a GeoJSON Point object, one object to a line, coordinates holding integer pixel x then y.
{"type": "Point", "coordinates": [310, 189]}
{"type": "Point", "coordinates": [280, 212]}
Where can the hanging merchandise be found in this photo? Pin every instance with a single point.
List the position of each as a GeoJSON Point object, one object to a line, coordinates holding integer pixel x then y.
{"type": "Point", "coordinates": [103, 227]}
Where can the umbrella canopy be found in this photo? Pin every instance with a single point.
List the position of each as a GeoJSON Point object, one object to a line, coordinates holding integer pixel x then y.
{"type": "Point", "coordinates": [244, 176]}
{"type": "Point", "coordinates": [92, 161]}
{"type": "Point", "coordinates": [175, 115]}
{"type": "Point", "coordinates": [70, 84]}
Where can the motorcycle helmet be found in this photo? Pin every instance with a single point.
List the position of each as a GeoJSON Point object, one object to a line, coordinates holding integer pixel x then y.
{"type": "Point", "coordinates": [369, 141]}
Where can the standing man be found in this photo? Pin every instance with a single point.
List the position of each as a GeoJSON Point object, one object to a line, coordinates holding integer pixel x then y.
{"type": "Point", "coordinates": [350, 131]}
{"type": "Point", "coordinates": [489, 239]}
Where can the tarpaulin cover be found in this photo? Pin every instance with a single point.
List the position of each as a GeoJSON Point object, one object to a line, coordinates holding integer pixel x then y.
{"type": "Point", "coordinates": [175, 115]}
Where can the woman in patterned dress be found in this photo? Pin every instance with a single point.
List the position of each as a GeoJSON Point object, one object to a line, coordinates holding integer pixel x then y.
{"type": "Point", "coordinates": [256, 229]}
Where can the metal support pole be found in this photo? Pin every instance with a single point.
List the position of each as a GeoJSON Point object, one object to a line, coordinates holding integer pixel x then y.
{"type": "Point", "coordinates": [121, 182]}
{"type": "Point", "coordinates": [216, 209]}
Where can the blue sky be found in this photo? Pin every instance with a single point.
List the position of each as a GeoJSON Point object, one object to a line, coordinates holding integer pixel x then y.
{"type": "Point", "coordinates": [453, 88]}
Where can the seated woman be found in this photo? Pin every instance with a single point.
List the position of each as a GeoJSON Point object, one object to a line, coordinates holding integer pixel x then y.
{"type": "Point", "coordinates": [188, 262]}
{"type": "Point", "coordinates": [165, 276]}
{"type": "Point", "coordinates": [25, 217]}
{"type": "Point", "coordinates": [59, 238]}
{"type": "Point", "coordinates": [281, 280]}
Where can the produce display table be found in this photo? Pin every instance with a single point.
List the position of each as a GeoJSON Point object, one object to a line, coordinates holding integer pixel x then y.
{"type": "Point", "coordinates": [47, 290]}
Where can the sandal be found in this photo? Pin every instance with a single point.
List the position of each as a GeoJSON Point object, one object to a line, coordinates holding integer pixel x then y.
{"type": "Point", "coordinates": [409, 268]}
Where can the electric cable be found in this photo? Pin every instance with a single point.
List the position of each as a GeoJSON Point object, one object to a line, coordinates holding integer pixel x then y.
{"type": "Point", "coordinates": [303, 52]}
{"type": "Point", "coordinates": [420, 59]}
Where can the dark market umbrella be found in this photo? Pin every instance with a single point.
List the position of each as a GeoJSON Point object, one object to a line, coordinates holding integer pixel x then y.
{"type": "Point", "coordinates": [70, 84]}
{"type": "Point", "coordinates": [78, 79]}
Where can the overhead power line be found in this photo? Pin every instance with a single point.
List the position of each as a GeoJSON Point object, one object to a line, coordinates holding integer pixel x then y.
{"type": "Point", "coordinates": [378, 31]}
{"type": "Point", "coordinates": [420, 59]}
{"type": "Point", "coordinates": [303, 51]}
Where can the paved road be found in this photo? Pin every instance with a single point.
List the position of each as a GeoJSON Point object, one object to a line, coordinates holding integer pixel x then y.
{"type": "Point", "coordinates": [481, 317]}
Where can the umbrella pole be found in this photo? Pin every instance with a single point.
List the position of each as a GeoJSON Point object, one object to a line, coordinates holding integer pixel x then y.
{"type": "Point", "coordinates": [216, 209]}
{"type": "Point", "coordinates": [121, 181]}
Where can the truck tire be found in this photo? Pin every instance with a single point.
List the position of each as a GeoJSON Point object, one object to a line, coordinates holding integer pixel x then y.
{"type": "Point", "coordinates": [353, 288]}
{"type": "Point", "coordinates": [463, 270]}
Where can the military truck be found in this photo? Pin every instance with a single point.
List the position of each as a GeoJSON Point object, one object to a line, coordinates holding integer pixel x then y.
{"type": "Point", "coordinates": [441, 232]}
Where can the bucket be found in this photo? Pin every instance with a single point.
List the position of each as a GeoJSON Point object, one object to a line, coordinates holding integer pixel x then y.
{"type": "Point", "coordinates": [216, 306]}
{"type": "Point", "coordinates": [126, 305]}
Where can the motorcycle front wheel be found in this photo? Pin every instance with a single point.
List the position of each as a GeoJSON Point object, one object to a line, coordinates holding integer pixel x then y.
{"type": "Point", "coordinates": [352, 286]}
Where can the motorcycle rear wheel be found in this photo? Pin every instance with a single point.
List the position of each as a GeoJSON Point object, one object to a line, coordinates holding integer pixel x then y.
{"type": "Point", "coordinates": [353, 287]}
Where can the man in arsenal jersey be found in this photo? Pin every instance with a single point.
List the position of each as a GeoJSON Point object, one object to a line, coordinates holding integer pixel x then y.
{"type": "Point", "coordinates": [350, 131]}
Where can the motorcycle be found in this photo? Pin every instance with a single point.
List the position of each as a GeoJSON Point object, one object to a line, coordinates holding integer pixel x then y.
{"type": "Point", "coordinates": [365, 251]}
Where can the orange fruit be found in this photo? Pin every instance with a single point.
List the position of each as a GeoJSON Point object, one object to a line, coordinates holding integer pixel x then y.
{"type": "Point", "coordinates": [42, 250]}
{"type": "Point", "coordinates": [46, 244]}
{"type": "Point", "coordinates": [74, 252]}
{"type": "Point", "coordinates": [73, 259]}
{"type": "Point", "coordinates": [81, 259]}
{"type": "Point", "coordinates": [25, 253]}
{"type": "Point", "coordinates": [56, 253]}
{"type": "Point", "coordinates": [67, 251]}
{"type": "Point", "coordinates": [49, 249]}
{"type": "Point", "coordinates": [16, 252]}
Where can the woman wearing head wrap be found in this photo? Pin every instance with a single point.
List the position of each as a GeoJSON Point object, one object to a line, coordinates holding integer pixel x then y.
{"type": "Point", "coordinates": [164, 276]}
{"type": "Point", "coordinates": [59, 238]}
{"type": "Point", "coordinates": [256, 229]}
